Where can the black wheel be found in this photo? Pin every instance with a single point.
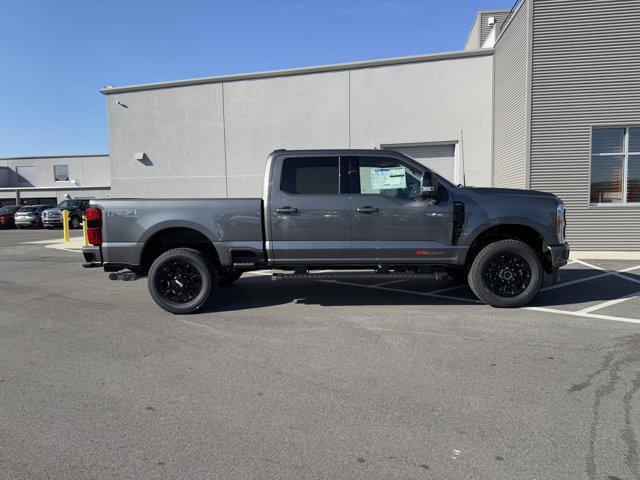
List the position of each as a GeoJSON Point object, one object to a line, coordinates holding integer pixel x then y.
{"type": "Point", "coordinates": [227, 276]}
{"type": "Point", "coordinates": [181, 280]}
{"type": "Point", "coordinates": [506, 274]}
{"type": "Point", "coordinates": [458, 274]}
{"type": "Point", "coordinates": [75, 222]}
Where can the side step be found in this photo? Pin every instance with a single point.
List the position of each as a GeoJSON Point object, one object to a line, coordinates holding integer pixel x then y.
{"type": "Point", "coordinates": [361, 274]}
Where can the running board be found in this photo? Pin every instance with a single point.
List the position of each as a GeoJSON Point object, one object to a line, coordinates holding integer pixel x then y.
{"type": "Point", "coordinates": [381, 276]}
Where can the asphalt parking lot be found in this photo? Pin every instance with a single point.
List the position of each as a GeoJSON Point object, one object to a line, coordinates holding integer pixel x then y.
{"type": "Point", "coordinates": [314, 379]}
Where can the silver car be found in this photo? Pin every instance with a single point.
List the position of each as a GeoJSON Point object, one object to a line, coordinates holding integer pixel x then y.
{"type": "Point", "coordinates": [30, 216]}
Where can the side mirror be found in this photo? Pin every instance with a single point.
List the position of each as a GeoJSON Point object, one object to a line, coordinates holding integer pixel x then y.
{"type": "Point", "coordinates": [429, 186]}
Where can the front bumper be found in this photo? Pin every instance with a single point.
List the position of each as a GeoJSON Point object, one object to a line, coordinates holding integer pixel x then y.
{"type": "Point", "coordinates": [52, 222]}
{"type": "Point", "coordinates": [558, 255]}
{"type": "Point", "coordinates": [26, 222]}
{"type": "Point", "coordinates": [92, 256]}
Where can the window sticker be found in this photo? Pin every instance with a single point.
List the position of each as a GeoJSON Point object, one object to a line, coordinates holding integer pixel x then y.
{"type": "Point", "coordinates": [388, 178]}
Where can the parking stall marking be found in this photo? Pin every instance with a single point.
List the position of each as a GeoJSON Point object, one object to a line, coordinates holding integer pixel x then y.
{"type": "Point", "coordinates": [609, 303]}
{"type": "Point", "coordinates": [606, 273]}
{"type": "Point", "coordinates": [587, 312]}
{"type": "Point", "coordinates": [413, 292]}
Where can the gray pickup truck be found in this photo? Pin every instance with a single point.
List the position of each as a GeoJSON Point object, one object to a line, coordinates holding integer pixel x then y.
{"type": "Point", "coordinates": [371, 210]}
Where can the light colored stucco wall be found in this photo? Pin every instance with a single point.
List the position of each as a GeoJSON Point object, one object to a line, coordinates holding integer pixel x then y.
{"type": "Point", "coordinates": [213, 139]}
{"type": "Point", "coordinates": [90, 171]}
{"type": "Point", "coordinates": [182, 132]}
{"type": "Point", "coordinates": [445, 101]}
{"type": "Point", "coordinates": [297, 112]}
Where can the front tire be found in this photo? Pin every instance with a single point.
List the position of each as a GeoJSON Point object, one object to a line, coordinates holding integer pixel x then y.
{"type": "Point", "coordinates": [182, 280]}
{"type": "Point", "coordinates": [74, 222]}
{"type": "Point", "coordinates": [506, 274]}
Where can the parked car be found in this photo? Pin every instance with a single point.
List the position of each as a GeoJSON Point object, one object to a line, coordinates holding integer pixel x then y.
{"type": "Point", "coordinates": [30, 216]}
{"type": "Point", "coordinates": [6, 216]}
{"type": "Point", "coordinates": [52, 217]}
{"type": "Point", "coordinates": [339, 209]}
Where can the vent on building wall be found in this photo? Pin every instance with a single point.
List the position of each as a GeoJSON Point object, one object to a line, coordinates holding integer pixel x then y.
{"type": "Point", "coordinates": [491, 21]}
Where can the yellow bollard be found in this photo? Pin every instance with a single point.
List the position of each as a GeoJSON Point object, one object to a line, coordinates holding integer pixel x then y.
{"type": "Point", "coordinates": [65, 224]}
{"type": "Point", "coordinates": [84, 231]}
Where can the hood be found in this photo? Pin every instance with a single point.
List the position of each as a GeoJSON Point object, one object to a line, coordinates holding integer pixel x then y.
{"type": "Point", "coordinates": [511, 192]}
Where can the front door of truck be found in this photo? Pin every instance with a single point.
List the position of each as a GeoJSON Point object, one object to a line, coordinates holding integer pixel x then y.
{"type": "Point", "coordinates": [390, 222]}
{"type": "Point", "coordinates": [309, 211]}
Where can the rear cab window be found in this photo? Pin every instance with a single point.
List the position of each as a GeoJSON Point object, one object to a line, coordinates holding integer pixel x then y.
{"type": "Point", "coordinates": [312, 176]}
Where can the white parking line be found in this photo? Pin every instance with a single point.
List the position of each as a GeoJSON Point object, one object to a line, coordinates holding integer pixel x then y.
{"type": "Point", "coordinates": [388, 289]}
{"type": "Point", "coordinates": [613, 272]}
{"type": "Point", "coordinates": [594, 277]}
{"type": "Point", "coordinates": [609, 303]}
{"type": "Point", "coordinates": [585, 315]}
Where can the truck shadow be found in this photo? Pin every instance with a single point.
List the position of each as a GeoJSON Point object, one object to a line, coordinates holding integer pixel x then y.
{"type": "Point", "coordinates": [253, 291]}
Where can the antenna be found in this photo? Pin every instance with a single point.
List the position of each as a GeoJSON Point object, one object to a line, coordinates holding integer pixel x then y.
{"type": "Point", "coordinates": [464, 178]}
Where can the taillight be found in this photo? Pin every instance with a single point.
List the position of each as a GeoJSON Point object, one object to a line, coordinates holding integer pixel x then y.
{"type": "Point", "coordinates": [94, 226]}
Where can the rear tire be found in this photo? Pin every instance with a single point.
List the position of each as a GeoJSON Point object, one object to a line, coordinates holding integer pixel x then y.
{"type": "Point", "coordinates": [506, 274]}
{"type": "Point", "coordinates": [74, 222]}
{"type": "Point", "coordinates": [182, 280]}
{"type": "Point", "coordinates": [228, 276]}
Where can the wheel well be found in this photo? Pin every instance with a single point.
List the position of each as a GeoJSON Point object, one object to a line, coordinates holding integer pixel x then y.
{"type": "Point", "coordinates": [523, 233]}
{"type": "Point", "coordinates": [177, 237]}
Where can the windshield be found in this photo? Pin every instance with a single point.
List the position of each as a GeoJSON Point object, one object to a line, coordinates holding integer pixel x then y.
{"type": "Point", "coordinates": [4, 210]}
{"type": "Point", "coordinates": [65, 204]}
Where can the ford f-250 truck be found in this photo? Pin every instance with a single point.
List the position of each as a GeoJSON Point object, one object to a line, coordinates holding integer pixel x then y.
{"type": "Point", "coordinates": [371, 210]}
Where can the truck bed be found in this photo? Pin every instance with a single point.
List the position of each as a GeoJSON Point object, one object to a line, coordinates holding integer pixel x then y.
{"type": "Point", "coordinates": [230, 224]}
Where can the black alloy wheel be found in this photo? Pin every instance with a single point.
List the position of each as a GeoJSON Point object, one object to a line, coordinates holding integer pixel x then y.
{"type": "Point", "coordinates": [182, 280]}
{"type": "Point", "coordinates": [507, 275]}
{"type": "Point", "coordinates": [179, 281]}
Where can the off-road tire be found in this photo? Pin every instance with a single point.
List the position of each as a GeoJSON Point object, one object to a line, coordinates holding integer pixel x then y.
{"type": "Point", "coordinates": [227, 276]}
{"type": "Point", "coordinates": [485, 260]}
{"type": "Point", "coordinates": [191, 260]}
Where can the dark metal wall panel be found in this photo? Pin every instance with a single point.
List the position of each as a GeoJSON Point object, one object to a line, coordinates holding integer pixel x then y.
{"type": "Point", "coordinates": [510, 103]}
{"type": "Point", "coordinates": [585, 72]}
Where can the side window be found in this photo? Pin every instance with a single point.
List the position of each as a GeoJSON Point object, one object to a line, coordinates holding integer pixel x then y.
{"type": "Point", "coordinates": [389, 177]}
{"type": "Point", "coordinates": [311, 176]}
{"type": "Point", "coordinates": [65, 204]}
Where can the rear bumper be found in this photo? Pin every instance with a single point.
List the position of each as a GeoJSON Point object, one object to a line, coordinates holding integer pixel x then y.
{"type": "Point", "coordinates": [559, 255]}
{"type": "Point", "coordinates": [92, 256]}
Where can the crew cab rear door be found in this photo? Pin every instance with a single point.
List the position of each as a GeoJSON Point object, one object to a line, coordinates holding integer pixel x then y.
{"type": "Point", "coordinates": [390, 222]}
{"type": "Point", "coordinates": [309, 211]}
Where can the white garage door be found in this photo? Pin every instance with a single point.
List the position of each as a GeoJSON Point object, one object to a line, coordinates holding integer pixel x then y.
{"type": "Point", "coordinates": [439, 158]}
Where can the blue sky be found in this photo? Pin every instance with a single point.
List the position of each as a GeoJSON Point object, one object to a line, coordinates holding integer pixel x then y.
{"type": "Point", "coordinates": [56, 54]}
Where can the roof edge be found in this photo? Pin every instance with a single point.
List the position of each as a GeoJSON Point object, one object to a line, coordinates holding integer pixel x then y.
{"type": "Point", "coordinates": [35, 157]}
{"type": "Point", "coordinates": [302, 71]}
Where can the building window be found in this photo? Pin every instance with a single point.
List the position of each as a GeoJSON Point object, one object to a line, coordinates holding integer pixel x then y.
{"type": "Point", "coordinates": [615, 165]}
{"type": "Point", "coordinates": [61, 173]}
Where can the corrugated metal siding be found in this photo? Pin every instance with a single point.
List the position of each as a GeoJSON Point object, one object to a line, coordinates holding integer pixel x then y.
{"type": "Point", "coordinates": [510, 103]}
{"type": "Point", "coordinates": [586, 70]}
{"type": "Point", "coordinates": [485, 29]}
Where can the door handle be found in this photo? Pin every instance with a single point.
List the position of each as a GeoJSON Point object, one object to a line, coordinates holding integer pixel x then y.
{"type": "Point", "coordinates": [286, 210]}
{"type": "Point", "coordinates": [367, 209]}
